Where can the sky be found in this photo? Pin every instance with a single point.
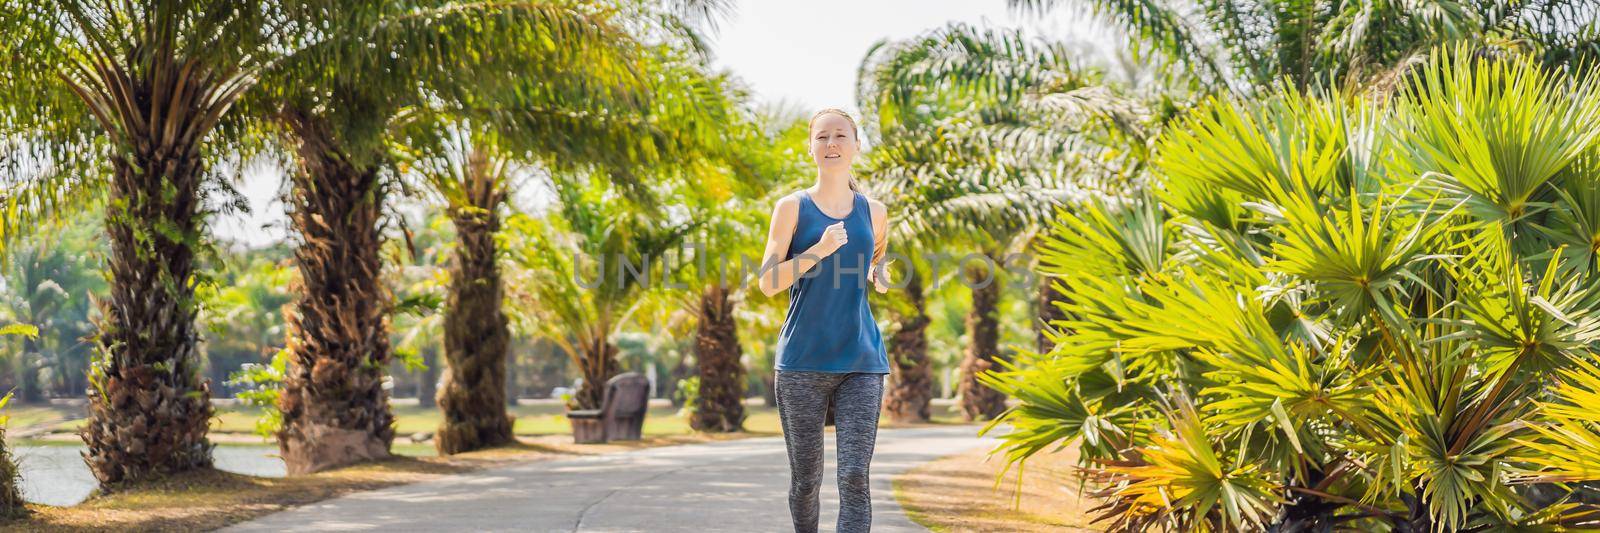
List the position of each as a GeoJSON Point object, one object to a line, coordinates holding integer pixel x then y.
{"type": "Point", "coordinates": [807, 52]}
{"type": "Point", "coordinates": [790, 52]}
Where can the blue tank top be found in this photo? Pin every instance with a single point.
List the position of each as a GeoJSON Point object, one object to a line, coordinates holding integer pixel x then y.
{"type": "Point", "coordinates": [829, 326]}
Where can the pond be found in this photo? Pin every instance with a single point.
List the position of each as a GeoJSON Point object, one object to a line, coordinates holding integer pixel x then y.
{"type": "Point", "coordinates": [57, 475]}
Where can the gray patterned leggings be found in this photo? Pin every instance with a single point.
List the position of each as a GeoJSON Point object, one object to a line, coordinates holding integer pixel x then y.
{"type": "Point", "coordinates": [802, 405]}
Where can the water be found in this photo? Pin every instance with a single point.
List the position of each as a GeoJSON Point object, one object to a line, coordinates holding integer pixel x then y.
{"type": "Point", "coordinates": [56, 475]}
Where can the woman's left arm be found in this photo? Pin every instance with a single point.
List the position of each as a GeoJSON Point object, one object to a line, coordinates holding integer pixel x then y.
{"type": "Point", "coordinates": [880, 245]}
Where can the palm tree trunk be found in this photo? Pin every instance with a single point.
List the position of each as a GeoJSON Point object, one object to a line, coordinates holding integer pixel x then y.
{"type": "Point", "coordinates": [978, 401]}
{"type": "Point", "coordinates": [720, 406]}
{"type": "Point", "coordinates": [910, 373]}
{"type": "Point", "coordinates": [598, 365]}
{"type": "Point", "coordinates": [29, 390]}
{"type": "Point", "coordinates": [11, 502]}
{"type": "Point", "coordinates": [769, 389]}
{"type": "Point", "coordinates": [476, 338]}
{"type": "Point", "coordinates": [513, 387]}
{"type": "Point", "coordinates": [1048, 313]}
{"type": "Point", "coordinates": [148, 408]}
{"type": "Point", "coordinates": [428, 381]}
{"type": "Point", "coordinates": [335, 409]}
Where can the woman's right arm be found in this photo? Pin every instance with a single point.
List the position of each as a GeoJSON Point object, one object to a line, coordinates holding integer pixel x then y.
{"type": "Point", "coordinates": [776, 274]}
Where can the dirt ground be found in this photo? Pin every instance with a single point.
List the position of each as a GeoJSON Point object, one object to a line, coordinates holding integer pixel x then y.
{"type": "Point", "coordinates": [958, 494]}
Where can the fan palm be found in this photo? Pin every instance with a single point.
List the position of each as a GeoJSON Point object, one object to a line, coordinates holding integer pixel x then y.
{"type": "Point", "coordinates": [1337, 313]}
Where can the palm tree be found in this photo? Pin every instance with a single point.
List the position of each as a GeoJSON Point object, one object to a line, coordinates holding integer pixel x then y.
{"type": "Point", "coordinates": [910, 388]}
{"type": "Point", "coordinates": [414, 56]}
{"type": "Point", "coordinates": [630, 118]}
{"type": "Point", "coordinates": [601, 258]}
{"type": "Point", "coordinates": [599, 255]}
{"type": "Point", "coordinates": [476, 335]}
{"type": "Point", "coordinates": [1340, 313]}
{"type": "Point", "coordinates": [33, 299]}
{"type": "Point", "coordinates": [760, 155]}
{"type": "Point", "coordinates": [970, 134]}
{"type": "Point", "coordinates": [581, 269]}
{"type": "Point", "coordinates": [473, 171]}
{"type": "Point", "coordinates": [719, 403]}
{"type": "Point", "coordinates": [1247, 46]}
{"type": "Point", "coordinates": [118, 98]}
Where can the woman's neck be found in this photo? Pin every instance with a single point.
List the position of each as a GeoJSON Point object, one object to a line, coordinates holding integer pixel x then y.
{"type": "Point", "coordinates": [832, 184]}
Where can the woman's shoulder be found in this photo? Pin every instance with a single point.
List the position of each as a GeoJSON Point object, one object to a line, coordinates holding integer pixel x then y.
{"type": "Point", "coordinates": [793, 198]}
{"type": "Point", "coordinates": [788, 206]}
{"type": "Point", "coordinates": [879, 210]}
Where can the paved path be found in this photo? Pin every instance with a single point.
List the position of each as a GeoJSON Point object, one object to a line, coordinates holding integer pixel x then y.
{"type": "Point", "coordinates": [734, 486]}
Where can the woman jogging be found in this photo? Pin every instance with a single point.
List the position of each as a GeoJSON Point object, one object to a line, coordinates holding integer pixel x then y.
{"type": "Point", "coordinates": [824, 244]}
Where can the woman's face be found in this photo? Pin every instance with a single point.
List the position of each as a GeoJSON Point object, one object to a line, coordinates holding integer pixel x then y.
{"type": "Point", "coordinates": [833, 142]}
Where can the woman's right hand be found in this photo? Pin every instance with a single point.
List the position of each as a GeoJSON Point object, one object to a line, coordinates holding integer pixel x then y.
{"type": "Point", "coordinates": [833, 237]}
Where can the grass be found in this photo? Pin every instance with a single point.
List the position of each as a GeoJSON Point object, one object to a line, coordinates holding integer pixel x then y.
{"type": "Point", "coordinates": [532, 419]}
{"type": "Point", "coordinates": [48, 417]}
{"type": "Point", "coordinates": [958, 493]}
{"type": "Point", "coordinates": [235, 425]}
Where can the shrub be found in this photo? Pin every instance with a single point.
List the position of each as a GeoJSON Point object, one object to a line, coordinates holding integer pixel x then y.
{"type": "Point", "coordinates": [688, 394]}
{"type": "Point", "coordinates": [259, 387]}
{"type": "Point", "coordinates": [11, 503]}
{"type": "Point", "coordinates": [1337, 313]}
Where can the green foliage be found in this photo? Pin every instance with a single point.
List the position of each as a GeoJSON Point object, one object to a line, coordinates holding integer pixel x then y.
{"type": "Point", "coordinates": [555, 257]}
{"type": "Point", "coordinates": [1245, 47]}
{"type": "Point", "coordinates": [242, 311]}
{"type": "Point", "coordinates": [48, 285]}
{"type": "Point", "coordinates": [634, 105]}
{"type": "Point", "coordinates": [1337, 313]}
{"type": "Point", "coordinates": [24, 330]}
{"type": "Point", "coordinates": [418, 283]}
{"type": "Point", "coordinates": [985, 132]}
{"type": "Point", "coordinates": [259, 386]}
{"type": "Point", "coordinates": [689, 394]}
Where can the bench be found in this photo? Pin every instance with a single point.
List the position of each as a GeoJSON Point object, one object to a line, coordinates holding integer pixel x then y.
{"type": "Point", "coordinates": [621, 412]}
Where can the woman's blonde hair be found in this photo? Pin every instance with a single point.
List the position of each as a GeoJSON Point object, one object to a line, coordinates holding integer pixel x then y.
{"type": "Point", "coordinates": [854, 131]}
